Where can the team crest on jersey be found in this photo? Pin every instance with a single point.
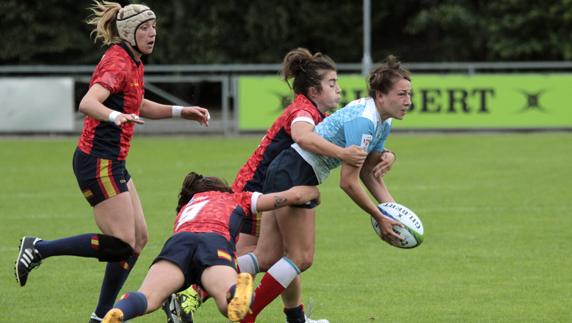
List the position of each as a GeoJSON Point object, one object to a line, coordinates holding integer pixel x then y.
{"type": "Point", "coordinates": [365, 141]}
{"type": "Point", "coordinates": [87, 193]}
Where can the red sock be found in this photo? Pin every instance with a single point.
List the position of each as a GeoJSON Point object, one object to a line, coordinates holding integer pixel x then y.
{"type": "Point", "coordinates": [264, 294]}
{"type": "Point", "coordinates": [203, 294]}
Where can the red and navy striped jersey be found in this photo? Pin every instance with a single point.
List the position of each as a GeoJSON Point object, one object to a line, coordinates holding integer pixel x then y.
{"type": "Point", "coordinates": [216, 212]}
{"type": "Point", "coordinates": [119, 72]}
{"type": "Point", "coordinates": [279, 137]}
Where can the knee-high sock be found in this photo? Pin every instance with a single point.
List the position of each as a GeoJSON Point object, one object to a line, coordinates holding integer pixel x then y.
{"type": "Point", "coordinates": [248, 263]}
{"type": "Point", "coordinates": [116, 274]}
{"type": "Point", "coordinates": [273, 283]}
{"type": "Point", "coordinates": [132, 304]}
{"type": "Point", "coordinates": [82, 245]}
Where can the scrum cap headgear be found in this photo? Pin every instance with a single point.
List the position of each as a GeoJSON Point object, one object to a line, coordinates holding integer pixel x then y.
{"type": "Point", "coordinates": [129, 18]}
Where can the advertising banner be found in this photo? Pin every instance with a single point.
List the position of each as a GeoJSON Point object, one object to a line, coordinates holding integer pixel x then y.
{"type": "Point", "coordinates": [36, 104]}
{"type": "Point", "coordinates": [449, 101]}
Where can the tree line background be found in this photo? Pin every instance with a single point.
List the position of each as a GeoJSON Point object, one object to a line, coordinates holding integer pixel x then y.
{"type": "Point", "coordinates": [262, 31]}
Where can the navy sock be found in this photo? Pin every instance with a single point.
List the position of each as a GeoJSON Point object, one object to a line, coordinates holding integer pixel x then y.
{"type": "Point", "coordinates": [80, 245]}
{"type": "Point", "coordinates": [295, 315]}
{"type": "Point", "coordinates": [132, 304]}
{"type": "Point", "coordinates": [116, 274]}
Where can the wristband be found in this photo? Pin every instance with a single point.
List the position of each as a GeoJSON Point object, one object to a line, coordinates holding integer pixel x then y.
{"type": "Point", "coordinates": [113, 116]}
{"type": "Point", "coordinates": [176, 111]}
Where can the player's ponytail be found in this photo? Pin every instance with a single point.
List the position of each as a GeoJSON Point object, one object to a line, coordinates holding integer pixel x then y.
{"type": "Point", "coordinates": [306, 69]}
{"type": "Point", "coordinates": [196, 183]}
{"type": "Point", "coordinates": [386, 75]}
{"type": "Point", "coordinates": [103, 20]}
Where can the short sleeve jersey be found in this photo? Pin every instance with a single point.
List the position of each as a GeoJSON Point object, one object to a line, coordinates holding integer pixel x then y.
{"type": "Point", "coordinates": [251, 176]}
{"type": "Point", "coordinates": [358, 123]}
{"type": "Point", "coordinates": [216, 212]}
{"type": "Point", "coordinates": [122, 75]}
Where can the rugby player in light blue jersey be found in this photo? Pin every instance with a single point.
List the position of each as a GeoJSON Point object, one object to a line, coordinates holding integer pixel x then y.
{"type": "Point", "coordinates": [365, 122]}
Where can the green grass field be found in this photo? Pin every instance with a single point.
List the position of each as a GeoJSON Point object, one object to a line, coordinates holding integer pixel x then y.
{"type": "Point", "coordinates": [497, 211]}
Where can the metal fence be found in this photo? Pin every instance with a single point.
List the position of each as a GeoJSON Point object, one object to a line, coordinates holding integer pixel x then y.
{"type": "Point", "coordinates": [168, 83]}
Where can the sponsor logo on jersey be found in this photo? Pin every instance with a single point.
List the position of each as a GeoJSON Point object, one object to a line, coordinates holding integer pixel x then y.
{"type": "Point", "coordinates": [365, 141]}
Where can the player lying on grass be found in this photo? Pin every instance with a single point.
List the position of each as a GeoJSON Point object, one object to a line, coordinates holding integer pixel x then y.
{"type": "Point", "coordinates": [202, 248]}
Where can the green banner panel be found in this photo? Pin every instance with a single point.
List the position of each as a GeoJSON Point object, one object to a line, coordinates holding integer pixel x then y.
{"type": "Point", "coordinates": [484, 101]}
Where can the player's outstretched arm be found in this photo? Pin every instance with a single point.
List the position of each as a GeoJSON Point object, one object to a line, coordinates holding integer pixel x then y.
{"type": "Point", "coordinates": [154, 110]}
{"type": "Point", "coordinates": [294, 196]}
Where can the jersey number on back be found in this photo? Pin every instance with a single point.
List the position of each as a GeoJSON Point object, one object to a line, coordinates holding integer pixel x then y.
{"type": "Point", "coordinates": [191, 212]}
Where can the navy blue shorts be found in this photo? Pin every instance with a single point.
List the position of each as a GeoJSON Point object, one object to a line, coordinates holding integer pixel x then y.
{"type": "Point", "coordinates": [289, 169]}
{"type": "Point", "coordinates": [193, 252]}
{"type": "Point", "coordinates": [251, 223]}
{"type": "Point", "coordinates": [98, 178]}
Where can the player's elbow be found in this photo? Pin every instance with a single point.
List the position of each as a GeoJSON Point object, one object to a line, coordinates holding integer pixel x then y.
{"type": "Point", "coordinates": [83, 106]}
{"type": "Point", "coordinates": [313, 194]}
{"type": "Point", "coordinates": [301, 197]}
{"type": "Point", "coordinates": [298, 198]}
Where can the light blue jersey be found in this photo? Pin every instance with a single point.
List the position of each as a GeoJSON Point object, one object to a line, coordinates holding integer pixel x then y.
{"type": "Point", "coordinates": [358, 123]}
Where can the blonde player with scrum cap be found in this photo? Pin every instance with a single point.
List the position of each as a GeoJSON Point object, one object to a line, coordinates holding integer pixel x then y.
{"type": "Point", "coordinates": [113, 106]}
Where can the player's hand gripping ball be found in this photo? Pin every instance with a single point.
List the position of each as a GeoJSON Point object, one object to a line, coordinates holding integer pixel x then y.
{"type": "Point", "coordinates": [412, 230]}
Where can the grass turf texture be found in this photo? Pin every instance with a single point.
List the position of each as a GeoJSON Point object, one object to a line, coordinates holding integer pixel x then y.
{"type": "Point", "coordinates": [497, 213]}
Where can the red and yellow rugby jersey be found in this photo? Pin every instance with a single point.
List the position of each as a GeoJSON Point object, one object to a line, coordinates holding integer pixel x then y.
{"type": "Point", "coordinates": [251, 176]}
{"type": "Point", "coordinates": [216, 212]}
{"type": "Point", "coordinates": [119, 72]}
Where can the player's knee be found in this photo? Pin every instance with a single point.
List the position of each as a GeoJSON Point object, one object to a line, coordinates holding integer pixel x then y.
{"type": "Point", "coordinates": [306, 264]}
{"type": "Point", "coordinates": [141, 241]}
{"type": "Point", "coordinates": [304, 261]}
{"type": "Point", "coordinates": [113, 249]}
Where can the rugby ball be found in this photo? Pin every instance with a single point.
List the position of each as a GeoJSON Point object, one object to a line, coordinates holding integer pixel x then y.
{"type": "Point", "coordinates": [412, 230]}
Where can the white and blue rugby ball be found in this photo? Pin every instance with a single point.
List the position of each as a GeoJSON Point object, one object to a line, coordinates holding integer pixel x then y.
{"type": "Point", "coordinates": [412, 230]}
